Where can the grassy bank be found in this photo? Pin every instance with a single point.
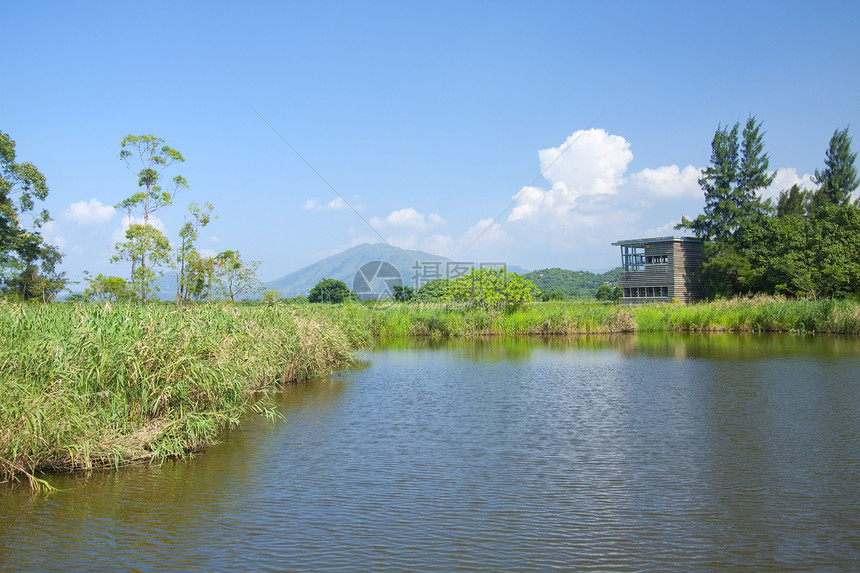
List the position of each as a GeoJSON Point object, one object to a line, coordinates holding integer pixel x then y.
{"type": "Point", "coordinates": [566, 318]}
{"type": "Point", "coordinates": [87, 385]}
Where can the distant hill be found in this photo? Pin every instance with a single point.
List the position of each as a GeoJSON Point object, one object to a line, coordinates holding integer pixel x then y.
{"type": "Point", "coordinates": [572, 283]}
{"type": "Point", "coordinates": [345, 265]}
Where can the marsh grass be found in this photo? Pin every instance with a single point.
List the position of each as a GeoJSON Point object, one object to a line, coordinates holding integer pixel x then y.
{"type": "Point", "coordinates": [759, 314]}
{"type": "Point", "coordinates": [88, 386]}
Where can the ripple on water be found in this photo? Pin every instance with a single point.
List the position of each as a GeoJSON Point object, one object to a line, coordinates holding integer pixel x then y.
{"type": "Point", "coordinates": [570, 459]}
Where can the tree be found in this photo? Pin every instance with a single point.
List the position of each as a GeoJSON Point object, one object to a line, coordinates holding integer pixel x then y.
{"type": "Point", "coordinates": [108, 289]}
{"type": "Point", "coordinates": [492, 288]}
{"type": "Point", "coordinates": [21, 245]}
{"type": "Point", "coordinates": [186, 254]}
{"type": "Point", "coordinates": [608, 293]}
{"type": "Point", "coordinates": [233, 276]}
{"type": "Point", "coordinates": [838, 179]}
{"type": "Point", "coordinates": [547, 296]}
{"type": "Point", "coordinates": [403, 293]}
{"type": "Point", "coordinates": [432, 291]}
{"type": "Point", "coordinates": [752, 173]}
{"type": "Point", "coordinates": [148, 157]}
{"type": "Point", "coordinates": [331, 291]}
{"type": "Point", "coordinates": [199, 274]}
{"type": "Point", "coordinates": [271, 297]}
{"type": "Point", "coordinates": [143, 241]}
{"type": "Point", "coordinates": [794, 201]}
{"type": "Point", "coordinates": [731, 182]}
{"type": "Point", "coordinates": [40, 281]}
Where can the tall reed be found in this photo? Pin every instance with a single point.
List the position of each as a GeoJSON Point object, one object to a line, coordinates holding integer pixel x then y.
{"type": "Point", "coordinates": [581, 317]}
{"type": "Point", "coordinates": [87, 385]}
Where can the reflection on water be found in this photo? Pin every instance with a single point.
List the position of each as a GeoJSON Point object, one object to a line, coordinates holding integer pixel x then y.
{"type": "Point", "coordinates": [585, 453]}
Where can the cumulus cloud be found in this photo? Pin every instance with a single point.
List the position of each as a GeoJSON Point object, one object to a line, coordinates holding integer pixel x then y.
{"type": "Point", "coordinates": [590, 163]}
{"type": "Point", "coordinates": [89, 212]}
{"type": "Point", "coordinates": [407, 218]}
{"type": "Point", "coordinates": [785, 178]}
{"type": "Point", "coordinates": [337, 204]}
{"type": "Point", "coordinates": [669, 181]}
{"type": "Point", "coordinates": [119, 233]}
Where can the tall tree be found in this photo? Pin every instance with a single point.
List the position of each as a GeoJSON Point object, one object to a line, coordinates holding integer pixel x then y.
{"type": "Point", "coordinates": [731, 183]}
{"type": "Point", "coordinates": [186, 279]}
{"type": "Point", "coordinates": [753, 174]}
{"type": "Point", "coordinates": [233, 276]}
{"type": "Point", "coordinates": [147, 157]}
{"type": "Point", "coordinates": [21, 244]}
{"type": "Point", "coordinates": [717, 181]}
{"type": "Point", "coordinates": [794, 201]}
{"type": "Point", "coordinates": [838, 179]}
{"type": "Point", "coordinates": [143, 241]}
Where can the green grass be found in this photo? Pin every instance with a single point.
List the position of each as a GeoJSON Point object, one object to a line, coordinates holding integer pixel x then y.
{"type": "Point", "coordinates": [760, 314]}
{"type": "Point", "coordinates": [89, 386]}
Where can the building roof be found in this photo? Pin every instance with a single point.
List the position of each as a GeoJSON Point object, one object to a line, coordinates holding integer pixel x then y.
{"type": "Point", "coordinates": [627, 242]}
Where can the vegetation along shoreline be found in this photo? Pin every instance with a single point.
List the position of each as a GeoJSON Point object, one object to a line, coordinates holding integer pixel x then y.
{"type": "Point", "coordinates": [92, 385]}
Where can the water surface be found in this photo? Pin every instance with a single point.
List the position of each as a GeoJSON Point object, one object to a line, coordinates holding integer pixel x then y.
{"type": "Point", "coordinates": [612, 454]}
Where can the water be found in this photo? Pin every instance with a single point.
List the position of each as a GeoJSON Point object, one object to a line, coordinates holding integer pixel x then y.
{"type": "Point", "coordinates": [612, 454]}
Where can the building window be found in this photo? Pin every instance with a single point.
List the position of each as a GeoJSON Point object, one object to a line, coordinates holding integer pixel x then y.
{"type": "Point", "coordinates": [656, 259]}
{"type": "Point", "coordinates": [632, 258]}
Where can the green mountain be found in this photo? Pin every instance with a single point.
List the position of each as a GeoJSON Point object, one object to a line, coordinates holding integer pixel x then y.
{"type": "Point", "coordinates": [346, 265]}
{"type": "Point", "coordinates": [572, 283]}
{"type": "Point", "coordinates": [415, 268]}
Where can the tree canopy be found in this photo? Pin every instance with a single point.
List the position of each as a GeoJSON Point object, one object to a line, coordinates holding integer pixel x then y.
{"type": "Point", "coordinates": [331, 291]}
{"type": "Point", "coordinates": [808, 247]}
{"type": "Point", "coordinates": [492, 288]}
{"type": "Point", "coordinates": [838, 180]}
{"type": "Point", "coordinates": [738, 170]}
{"type": "Point", "coordinates": [233, 276]}
{"type": "Point", "coordinates": [27, 263]}
{"type": "Point", "coordinates": [147, 157]}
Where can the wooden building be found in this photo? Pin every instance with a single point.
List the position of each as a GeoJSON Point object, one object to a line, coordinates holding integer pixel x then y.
{"type": "Point", "coordinates": [661, 269]}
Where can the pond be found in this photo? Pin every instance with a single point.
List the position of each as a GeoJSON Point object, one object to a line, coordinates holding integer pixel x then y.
{"type": "Point", "coordinates": [657, 452]}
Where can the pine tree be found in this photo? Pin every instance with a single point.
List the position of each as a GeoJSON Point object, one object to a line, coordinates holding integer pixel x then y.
{"type": "Point", "coordinates": [731, 182]}
{"type": "Point", "coordinates": [839, 178]}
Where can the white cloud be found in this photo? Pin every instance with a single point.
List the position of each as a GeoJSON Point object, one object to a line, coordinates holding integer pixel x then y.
{"type": "Point", "coordinates": [407, 218]}
{"type": "Point", "coordinates": [669, 181]}
{"type": "Point", "coordinates": [53, 236]}
{"type": "Point", "coordinates": [785, 178]}
{"type": "Point", "coordinates": [666, 230]}
{"type": "Point", "coordinates": [119, 233]}
{"type": "Point", "coordinates": [88, 212]}
{"type": "Point", "coordinates": [589, 163]}
{"type": "Point", "coordinates": [337, 204]}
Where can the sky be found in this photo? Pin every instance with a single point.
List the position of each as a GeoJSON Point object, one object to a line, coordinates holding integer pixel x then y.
{"type": "Point", "coordinates": [528, 133]}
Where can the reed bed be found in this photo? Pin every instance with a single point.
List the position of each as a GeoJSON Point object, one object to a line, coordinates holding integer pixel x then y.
{"type": "Point", "coordinates": [89, 385]}
{"type": "Point", "coordinates": [759, 314]}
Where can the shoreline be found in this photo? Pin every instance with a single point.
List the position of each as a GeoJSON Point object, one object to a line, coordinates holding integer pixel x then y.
{"type": "Point", "coordinates": [91, 386]}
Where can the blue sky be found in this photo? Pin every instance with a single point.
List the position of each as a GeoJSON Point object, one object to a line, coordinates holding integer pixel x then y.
{"type": "Point", "coordinates": [545, 130]}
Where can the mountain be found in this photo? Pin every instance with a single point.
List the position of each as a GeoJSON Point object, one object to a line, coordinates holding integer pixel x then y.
{"type": "Point", "coordinates": [353, 267]}
{"type": "Point", "coordinates": [344, 267]}
{"type": "Point", "coordinates": [572, 283]}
